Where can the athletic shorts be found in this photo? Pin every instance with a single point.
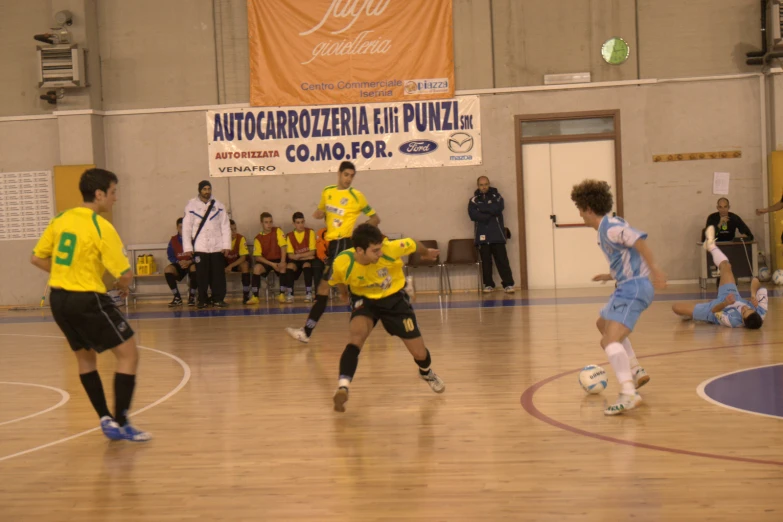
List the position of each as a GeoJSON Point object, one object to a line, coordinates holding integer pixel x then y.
{"type": "Point", "coordinates": [335, 247]}
{"type": "Point", "coordinates": [394, 311]}
{"type": "Point", "coordinates": [703, 311]}
{"type": "Point", "coordinates": [628, 301]}
{"type": "Point", "coordinates": [181, 272]}
{"type": "Point", "coordinates": [89, 320]}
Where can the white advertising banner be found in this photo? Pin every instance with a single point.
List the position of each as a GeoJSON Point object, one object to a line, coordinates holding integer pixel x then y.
{"type": "Point", "coordinates": [374, 136]}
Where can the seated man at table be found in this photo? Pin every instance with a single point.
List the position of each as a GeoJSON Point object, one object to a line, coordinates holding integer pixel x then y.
{"type": "Point", "coordinates": [726, 224]}
{"type": "Point", "coordinates": [729, 309]}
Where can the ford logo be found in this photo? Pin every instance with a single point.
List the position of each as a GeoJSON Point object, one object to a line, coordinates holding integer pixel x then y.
{"type": "Point", "coordinates": [418, 147]}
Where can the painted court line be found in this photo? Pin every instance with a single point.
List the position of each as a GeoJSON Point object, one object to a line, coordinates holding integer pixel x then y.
{"type": "Point", "coordinates": [701, 393]}
{"type": "Point", "coordinates": [530, 407]}
{"type": "Point", "coordinates": [64, 397]}
{"type": "Point", "coordinates": [185, 378]}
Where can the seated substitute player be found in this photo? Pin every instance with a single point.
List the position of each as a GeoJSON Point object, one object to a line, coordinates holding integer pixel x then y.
{"type": "Point", "coordinates": [373, 272]}
{"type": "Point", "coordinates": [269, 254]}
{"type": "Point", "coordinates": [77, 248]}
{"type": "Point", "coordinates": [631, 263]}
{"type": "Point", "coordinates": [729, 309]}
{"type": "Point", "coordinates": [181, 265]}
{"type": "Point", "coordinates": [301, 254]}
{"type": "Point", "coordinates": [237, 260]}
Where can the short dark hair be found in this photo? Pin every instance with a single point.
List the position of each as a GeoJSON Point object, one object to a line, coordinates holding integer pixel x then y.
{"type": "Point", "coordinates": [265, 215]}
{"type": "Point", "coordinates": [297, 215]}
{"type": "Point", "coordinates": [95, 179]}
{"type": "Point", "coordinates": [592, 194]}
{"type": "Point", "coordinates": [345, 165]}
{"type": "Point", "coordinates": [231, 221]}
{"type": "Point", "coordinates": [366, 235]}
{"type": "Point", "coordinates": [179, 221]}
{"type": "Point", "coordinates": [753, 321]}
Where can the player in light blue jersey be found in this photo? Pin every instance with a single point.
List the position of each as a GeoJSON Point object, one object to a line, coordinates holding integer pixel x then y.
{"type": "Point", "coordinates": [631, 265]}
{"type": "Point", "coordinates": [729, 309]}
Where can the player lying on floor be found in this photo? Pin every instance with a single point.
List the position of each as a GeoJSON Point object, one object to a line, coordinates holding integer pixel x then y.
{"type": "Point", "coordinates": [729, 309]}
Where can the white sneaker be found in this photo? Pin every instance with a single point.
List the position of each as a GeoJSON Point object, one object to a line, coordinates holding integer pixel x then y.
{"type": "Point", "coordinates": [624, 403]}
{"type": "Point", "coordinates": [509, 289]}
{"type": "Point", "coordinates": [435, 382]}
{"type": "Point", "coordinates": [289, 298]}
{"type": "Point", "coordinates": [709, 238]}
{"type": "Point", "coordinates": [298, 334]}
{"type": "Point", "coordinates": [309, 297]}
{"type": "Point", "coordinates": [488, 289]}
{"type": "Point", "coordinates": [640, 378]}
{"type": "Point", "coordinates": [340, 398]}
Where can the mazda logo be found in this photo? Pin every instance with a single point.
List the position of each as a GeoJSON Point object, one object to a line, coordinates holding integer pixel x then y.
{"type": "Point", "coordinates": [460, 142]}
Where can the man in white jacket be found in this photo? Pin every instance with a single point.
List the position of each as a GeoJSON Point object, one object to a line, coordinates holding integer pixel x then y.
{"type": "Point", "coordinates": [209, 244]}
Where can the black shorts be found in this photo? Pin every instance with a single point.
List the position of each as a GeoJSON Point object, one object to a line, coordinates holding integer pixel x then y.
{"type": "Point", "coordinates": [335, 247]}
{"type": "Point", "coordinates": [181, 272]}
{"type": "Point", "coordinates": [268, 269]}
{"type": "Point", "coordinates": [300, 265]}
{"type": "Point", "coordinates": [237, 268]}
{"type": "Point", "coordinates": [89, 320]}
{"type": "Point", "coordinates": [394, 311]}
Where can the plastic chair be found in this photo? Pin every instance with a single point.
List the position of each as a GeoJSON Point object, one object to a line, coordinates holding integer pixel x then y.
{"type": "Point", "coordinates": [462, 252]}
{"type": "Point", "coordinates": [415, 261]}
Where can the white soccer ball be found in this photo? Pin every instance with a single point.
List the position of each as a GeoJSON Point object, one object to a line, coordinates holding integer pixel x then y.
{"type": "Point", "coordinates": [777, 277]}
{"type": "Point", "coordinates": [592, 378]}
{"type": "Point", "coordinates": [764, 274]}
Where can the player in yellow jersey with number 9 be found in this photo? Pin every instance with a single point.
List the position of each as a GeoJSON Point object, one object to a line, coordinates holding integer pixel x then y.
{"type": "Point", "coordinates": [76, 249]}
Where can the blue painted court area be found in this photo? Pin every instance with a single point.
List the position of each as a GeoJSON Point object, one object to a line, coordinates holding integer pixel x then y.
{"type": "Point", "coordinates": [757, 390]}
{"type": "Point", "coordinates": [241, 311]}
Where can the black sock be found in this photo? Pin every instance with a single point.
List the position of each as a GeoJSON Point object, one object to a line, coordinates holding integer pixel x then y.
{"type": "Point", "coordinates": [245, 284]}
{"type": "Point", "coordinates": [289, 279]}
{"type": "Point", "coordinates": [256, 284]}
{"type": "Point", "coordinates": [94, 388]}
{"type": "Point", "coordinates": [193, 284]}
{"type": "Point", "coordinates": [308, 275]}
{"type": "Point", "coordinates": [424, 366]}
{"type": "Point", "coordinates": [349, 361]}
{"type": "Point", "coordinates": [123, 393]}
{"type": "Point", "coordinates": [315, 313]}
{"type": "Point", "coordinates": [171, 279]}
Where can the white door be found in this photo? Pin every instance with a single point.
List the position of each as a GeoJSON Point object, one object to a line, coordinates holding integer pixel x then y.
{"type": "Point", "coordinates": [562, 253]}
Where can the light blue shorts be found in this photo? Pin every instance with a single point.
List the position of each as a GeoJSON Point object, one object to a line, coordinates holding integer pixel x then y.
{"type": "Point", "coordinates": [703, 311]}
{"type": "Point", "coordinates": [628, 301]}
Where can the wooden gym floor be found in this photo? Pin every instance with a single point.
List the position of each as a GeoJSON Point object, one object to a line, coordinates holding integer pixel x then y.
{"type": "Point", "coordinates": [244, 427]}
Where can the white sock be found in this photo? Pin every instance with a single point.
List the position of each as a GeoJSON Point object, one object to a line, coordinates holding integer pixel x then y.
{"type": "Point", "coordinates": [343, 383]}
{"type": "Point", "coordinates": [717, 256]}
{"type": "Point", "coordinates": [631, 355]}
{"type": "Point", "coordinates": [622, 368]}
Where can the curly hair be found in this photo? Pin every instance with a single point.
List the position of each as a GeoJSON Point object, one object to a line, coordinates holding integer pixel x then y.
{"type": "Point", "coordinates": [594, 195]}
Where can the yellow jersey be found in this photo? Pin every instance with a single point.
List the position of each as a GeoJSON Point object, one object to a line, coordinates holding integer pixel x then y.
{"type": "Point", "coordinates": [82, 245]}
{"type": "Point", "coordinates": [299, 236]}
{"type": "Point", "coordinates": [258, 251]}
{"type": "Point", "coordinates": [376, 280]}
{"type": "Point", "coordinates": [342, 208]}
{"type": "Point", "coordinates": [242, 251]}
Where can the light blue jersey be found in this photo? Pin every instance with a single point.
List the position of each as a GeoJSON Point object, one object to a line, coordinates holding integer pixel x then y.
{"type": "Point", "coordinates": [616, 238]}
{"type": "Point", "coordinates": [730, 316]}
{"type": "Point", "coordinates": [634, 291]}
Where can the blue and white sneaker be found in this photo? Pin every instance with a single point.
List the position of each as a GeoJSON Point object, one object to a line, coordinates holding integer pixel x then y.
{"type": "Point", "coordinates": [133, 434]}
{"type": "Point", "coordinates": [110, 428]}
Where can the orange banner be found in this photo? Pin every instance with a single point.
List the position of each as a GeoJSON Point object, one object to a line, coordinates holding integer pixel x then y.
{"type": "Point", "coordinates": [318, 52]}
